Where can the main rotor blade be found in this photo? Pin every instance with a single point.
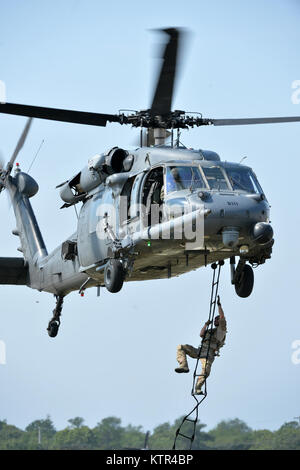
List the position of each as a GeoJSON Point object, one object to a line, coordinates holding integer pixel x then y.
{"type": "Point", "coordinates": [19, 145]}
{"type": "Point", "coordinates": [2, 163]}
{"type": "Point", "coordinates": [162, 99]}
{"type": "Point", "coordinates": [238, 122]}
{"type": "Point", "coordinates": [54, 114]}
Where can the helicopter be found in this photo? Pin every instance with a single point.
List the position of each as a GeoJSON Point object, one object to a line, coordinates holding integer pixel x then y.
{"type": "Point", "coordinates": [155, 212]}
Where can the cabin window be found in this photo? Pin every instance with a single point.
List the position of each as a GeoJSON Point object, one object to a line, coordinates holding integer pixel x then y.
{"type": "Point", "coordinates": [134, 209]}
{"type": "Point", "coordinates": [125, 199]}
{"type": "Point", "coordinates": [153, 196]}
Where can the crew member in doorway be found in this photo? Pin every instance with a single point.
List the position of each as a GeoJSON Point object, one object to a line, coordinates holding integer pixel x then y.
{"type": "Point", "coordinates": [213, 339]}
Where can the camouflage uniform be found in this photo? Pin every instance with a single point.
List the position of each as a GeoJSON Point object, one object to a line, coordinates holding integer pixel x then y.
{"type": "Point", "coordinates": [211, 343]}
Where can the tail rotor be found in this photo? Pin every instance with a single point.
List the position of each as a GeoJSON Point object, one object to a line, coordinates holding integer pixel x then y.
{"type": "Point", "coordinates": [5, 170]}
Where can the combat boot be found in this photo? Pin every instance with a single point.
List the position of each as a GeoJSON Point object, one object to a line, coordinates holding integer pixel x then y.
{"type": "Point", "coordinates": [182, 369]}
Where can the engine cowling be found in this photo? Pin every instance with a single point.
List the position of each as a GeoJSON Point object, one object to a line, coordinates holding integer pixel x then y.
{"type": "Point", "coordinates": [99, 167]}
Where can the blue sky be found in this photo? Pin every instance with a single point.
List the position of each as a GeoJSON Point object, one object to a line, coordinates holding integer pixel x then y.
{"type": "Point", "coordinates": [116, 355]}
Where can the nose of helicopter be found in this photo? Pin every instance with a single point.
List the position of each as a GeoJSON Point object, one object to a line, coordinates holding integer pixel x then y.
{"type": "Point", "coordinates": [260, 233]}
{"type": "Point", "coordinates": [236, 218]}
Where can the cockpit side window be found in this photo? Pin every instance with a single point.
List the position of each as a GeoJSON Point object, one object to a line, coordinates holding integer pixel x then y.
{"type": "Point", "coordinates": [243, 179]}
{"type": "Point", "coordinates": [183, 177]}
{"type": "Point", "coordinates": [215, 178]}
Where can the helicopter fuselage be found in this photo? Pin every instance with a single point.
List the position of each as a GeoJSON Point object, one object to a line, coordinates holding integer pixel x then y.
{"type": "Point", "coordinates": [161, 212]}
{"type": "Point", "coordinates": [116, 220]}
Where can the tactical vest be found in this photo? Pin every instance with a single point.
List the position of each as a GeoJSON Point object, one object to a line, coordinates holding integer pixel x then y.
{"type": "Point", "coordinates": [210, 340]}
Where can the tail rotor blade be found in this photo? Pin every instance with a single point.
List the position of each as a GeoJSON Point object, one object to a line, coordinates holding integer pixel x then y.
{"type": "Point", "coordinates": [19, 146]}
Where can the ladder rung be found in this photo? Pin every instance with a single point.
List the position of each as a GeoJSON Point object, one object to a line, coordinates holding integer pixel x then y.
{"type": "Point", "coordinates": [183, 435]}
{"type": "Point", "coordinates": [191, 420]}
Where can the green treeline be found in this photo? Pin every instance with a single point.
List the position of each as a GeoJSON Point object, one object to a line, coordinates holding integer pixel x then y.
{"type": "Point", "coordinates": [110, 434]}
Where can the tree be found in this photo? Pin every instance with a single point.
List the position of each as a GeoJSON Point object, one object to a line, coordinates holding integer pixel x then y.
{"type": "Point", "coordinates": [80, 438]}
{"type": "Point", "coordinates": [11, 437]}
{"type": "Point", "coordinates": [3, 424]}
{"type": "Point", "coordinates": [46, 427]}
{"type": "Point", "coordinates": [288, 436]}
{"type": "Point", "coordinates": [162, 437]}
{"type": "Point", "coordinates": [109, 433]}
{"type": "Point", "coordinates": [40, 429]}
{"type": "Point", "coordinates": [133, 437]}
{"type": "Point", "coordinates": [76, 423]}
{"type": "Point", "coordinates": [263, 439]}
{"type": "Point", "coordinates": [233, 434]}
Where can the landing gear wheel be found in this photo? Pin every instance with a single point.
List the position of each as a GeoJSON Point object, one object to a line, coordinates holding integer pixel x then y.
{"type": "Point", "coordinates": [244, 284]}
{"type": "Point", "coordinates": [53, 328]}
{"type": "Point", "coordinates": [54, 323]}
{"type": "Point", "coordinates": [114, 275]}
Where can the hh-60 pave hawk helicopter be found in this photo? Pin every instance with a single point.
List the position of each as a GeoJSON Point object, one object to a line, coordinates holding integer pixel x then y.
{"type": "Point", "coordinates": [117, 241]}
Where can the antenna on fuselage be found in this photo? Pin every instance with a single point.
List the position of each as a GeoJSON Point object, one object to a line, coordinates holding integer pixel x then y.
{"type": "Point", "coordinates": [244, 158]}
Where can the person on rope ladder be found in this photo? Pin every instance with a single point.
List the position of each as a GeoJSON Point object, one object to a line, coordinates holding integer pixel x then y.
{"type": "Point", "coordinates": [212, 341]}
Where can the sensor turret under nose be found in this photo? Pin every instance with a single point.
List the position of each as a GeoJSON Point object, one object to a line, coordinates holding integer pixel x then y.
{"type": "Point", "coordinates": [230, 236]}
{"type": "Point", "coordinates": [262, 232]}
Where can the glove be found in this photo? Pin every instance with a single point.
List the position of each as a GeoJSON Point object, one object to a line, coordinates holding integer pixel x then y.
{"type": "Point", "coordinates": [218, 300]}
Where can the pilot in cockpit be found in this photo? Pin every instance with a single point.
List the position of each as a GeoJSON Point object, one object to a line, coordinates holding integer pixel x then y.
{"type": "Point", "coordinates": [175, 179]}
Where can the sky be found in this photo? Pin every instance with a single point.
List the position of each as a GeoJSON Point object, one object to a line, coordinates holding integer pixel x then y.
{"type": "Point", "coordinates": [115, 355]}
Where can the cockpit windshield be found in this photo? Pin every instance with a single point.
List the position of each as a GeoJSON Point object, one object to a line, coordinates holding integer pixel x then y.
{"type": "Point", "coordinates": [243, 179]}
{"type": "Point", "coordinates": [215, 178]}
{"type": "Point", "coordinates": [183, 177]}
